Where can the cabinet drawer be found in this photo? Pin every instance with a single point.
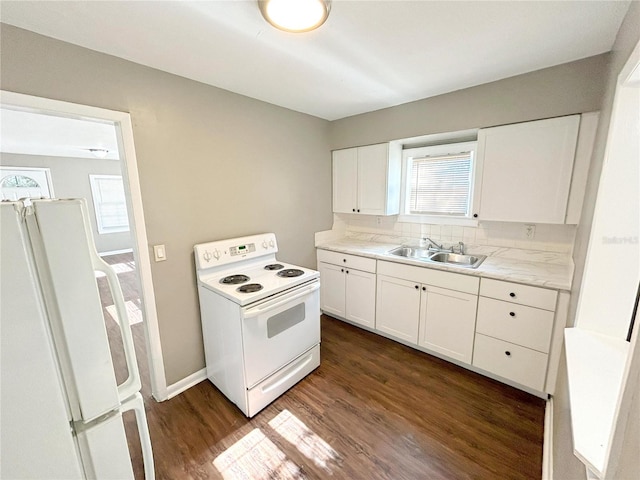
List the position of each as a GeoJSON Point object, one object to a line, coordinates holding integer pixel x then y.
{"type": "Point", "coordinates": [526, 326]}
{"type": "Point", "coordinates": [430, 276]}
{"type": "Point", "coordinates": [352, 261]}
{"type": "Point", "coordinates": [516, 293]}
{"type": "Point", "coordinates": [513, 362]}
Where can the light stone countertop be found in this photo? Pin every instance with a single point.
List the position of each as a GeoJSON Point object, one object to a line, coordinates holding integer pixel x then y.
{"type": "Point", "coordinates": [530, 267]}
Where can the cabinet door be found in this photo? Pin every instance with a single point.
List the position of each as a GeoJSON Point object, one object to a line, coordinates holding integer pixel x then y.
{"type": "Point", "coordinates": [447, 322]}
{"type": "Point", "coordinates": [345, 180]}
{"type": "Point", "coordinates": [372, 178]}
{"type": "Point", "coordinates": [361, 297]}
{"type": "Point", "coordinates": [398, 308]}
{"type": "Point", "coordinates": [332, 289]}
{"type": "Point", "coordinates": [527, 170]}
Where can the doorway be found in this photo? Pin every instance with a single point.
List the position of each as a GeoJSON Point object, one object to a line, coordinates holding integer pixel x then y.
{"type": "Point", "coordinates": [133, 259]}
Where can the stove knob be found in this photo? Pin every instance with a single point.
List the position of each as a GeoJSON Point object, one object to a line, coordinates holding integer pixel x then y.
{"type": "Point", "coordinates": [207, 256]}
{"type": "Point", "coordinates": [272, 244]}
{"type": "Point", "coordinates": [264, 244]}
{"type": "Point", "coordinates": [216, 254]}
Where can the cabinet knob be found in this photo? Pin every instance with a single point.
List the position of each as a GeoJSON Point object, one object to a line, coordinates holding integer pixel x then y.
{"type": "Point", "coordinates": [512, 295]}
{"type": "Point", "coordinates": [475, 215]}
{"type": "Point", "coordinates": [358, 210]}
{"type": "Point", "coordinates": [347, 271]}
{"type": "Point", "coordinates": [342, 269]}
{"type": "Point", "coordinates": [424, 289]}
{"type": "Point", "coordinates": [513, 314]}
{"type": "Point", "coordinates": [353, 209]}
{"type": "Point", "coordinates": [344, 260]}
{"type": "Point", "coordinates": [417, 287]}
{"type": "Point", "coordinates": [507, 353]}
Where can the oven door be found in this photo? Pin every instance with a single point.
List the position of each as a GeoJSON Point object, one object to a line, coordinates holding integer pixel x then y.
{"type": "Point", "coordinates": [278, 330]}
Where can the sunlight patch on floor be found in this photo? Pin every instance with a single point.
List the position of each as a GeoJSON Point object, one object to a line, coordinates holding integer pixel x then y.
{"type": "Point", "coordinates": [118, 268]}
{"type": "Point", "coordinates": [254, 456]}
{"type": "Point", "coordinates": [133, 312]}
{"type": "Point", "coordinates": [305, 440]}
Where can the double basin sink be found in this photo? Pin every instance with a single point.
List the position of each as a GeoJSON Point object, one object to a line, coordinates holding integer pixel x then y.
{"type": "Point", "coordinates": [441, 257]}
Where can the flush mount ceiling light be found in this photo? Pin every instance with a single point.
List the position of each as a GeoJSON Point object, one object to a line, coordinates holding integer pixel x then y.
{"type": "Point", "coordinates": [295, 15]}
{"type": "Point", "coordinates": [99, 152]}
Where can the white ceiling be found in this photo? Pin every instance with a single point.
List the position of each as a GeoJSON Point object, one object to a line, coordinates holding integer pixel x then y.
{"type": "Point", "coordinates": [38, 134]}
{"type": "Point", "coordinates": [368, 55]}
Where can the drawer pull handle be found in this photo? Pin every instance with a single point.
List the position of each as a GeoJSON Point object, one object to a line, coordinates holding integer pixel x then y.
{"type": "Point", "coordinates": [512, 295]}
{"type": "Point", "coordinates": [507, 353]}
{"type": "Point", "coordinates": [513, 314]}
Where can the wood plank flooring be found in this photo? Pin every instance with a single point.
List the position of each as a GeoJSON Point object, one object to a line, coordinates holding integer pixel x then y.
{"type": "Point", "coordinates": [374, 409]}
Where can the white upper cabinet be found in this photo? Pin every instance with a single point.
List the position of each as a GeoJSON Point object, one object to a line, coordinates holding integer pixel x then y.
{"type": "Point", "coordinates": [526, 170]}
{"type": "Point", "coordinates": [366, 180]}
{"type": "Point", "coordinates": [345, 180]}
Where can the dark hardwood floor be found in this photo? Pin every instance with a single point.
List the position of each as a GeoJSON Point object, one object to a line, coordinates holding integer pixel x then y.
{"type": "Point", "coordinates": [374, 409]}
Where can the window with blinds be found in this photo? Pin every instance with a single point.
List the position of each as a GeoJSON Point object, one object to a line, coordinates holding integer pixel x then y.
{"type": "Point", "coordinates": [440, 183]}
{"type": "Point", "coordinates": [109, 203]}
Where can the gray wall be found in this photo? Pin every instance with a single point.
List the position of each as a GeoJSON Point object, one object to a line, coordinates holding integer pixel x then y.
{"type": "Point", "coordinates": [212, 165]}
{"type": "Point", "coordinates": [70, 179]}
{"type": "Point", "coordinates": [564, 463]}
{"type": "Point", "coordinates": [574, 87]}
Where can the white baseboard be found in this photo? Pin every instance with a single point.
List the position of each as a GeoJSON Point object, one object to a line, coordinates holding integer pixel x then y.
{"type": "Point", "coordinates": [547, 448]}
{"type": "Point", "coordinates": [186, 383]}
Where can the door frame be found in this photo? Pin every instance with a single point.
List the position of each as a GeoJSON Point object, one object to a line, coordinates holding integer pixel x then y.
{"type": "Point", "coordinates": [124, 133]}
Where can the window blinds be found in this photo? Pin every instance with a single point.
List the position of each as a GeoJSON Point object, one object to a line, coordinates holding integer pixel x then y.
{"type": "Point", "coordinates": [110, 203]}
{"type": "Point", "coordinates": [440, 185]}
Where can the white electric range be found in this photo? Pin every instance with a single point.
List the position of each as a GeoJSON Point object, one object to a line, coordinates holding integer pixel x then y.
{"type": "Point", "coordinates": [260, 319]}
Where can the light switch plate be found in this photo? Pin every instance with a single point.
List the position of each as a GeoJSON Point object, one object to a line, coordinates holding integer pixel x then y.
{"type": "Point", "coordinates": [159, 253]}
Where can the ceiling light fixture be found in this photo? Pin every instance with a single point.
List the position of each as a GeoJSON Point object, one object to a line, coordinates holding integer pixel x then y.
{"type": "Point", "coordinates": [99, 152]}
{"type": "Point", "coordinates": [295, 15]}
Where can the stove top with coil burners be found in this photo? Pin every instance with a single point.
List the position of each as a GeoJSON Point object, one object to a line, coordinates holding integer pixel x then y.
{"type": "Point", "coordinates": [245, 270]}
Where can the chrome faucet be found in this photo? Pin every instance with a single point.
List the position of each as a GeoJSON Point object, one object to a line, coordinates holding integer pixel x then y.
{"type": "Point", "coordinates": [432, 243]}
{"type": "Point", "coordinates": [460, 247]}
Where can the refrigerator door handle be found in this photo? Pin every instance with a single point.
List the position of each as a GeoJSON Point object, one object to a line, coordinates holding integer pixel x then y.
{"type": "Point", "coordinates": [136, 403]}
{"type": "Point", "coordinates": [132, 384]}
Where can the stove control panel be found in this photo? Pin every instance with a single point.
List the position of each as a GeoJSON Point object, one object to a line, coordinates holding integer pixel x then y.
{"type": "Point", "coordinates": [242, 249]}
{"type": "Point", "coordinates": [223, 252]}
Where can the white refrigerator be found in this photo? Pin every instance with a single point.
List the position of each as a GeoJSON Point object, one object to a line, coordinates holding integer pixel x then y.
{"type": "Point", "coordinates": [60, 406]}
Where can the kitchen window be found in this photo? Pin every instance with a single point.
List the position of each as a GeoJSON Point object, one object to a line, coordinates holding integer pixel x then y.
{"type": "Point", "coordinates": [109, 203]}
{"type": "Point", "coordinates": [439, 184]}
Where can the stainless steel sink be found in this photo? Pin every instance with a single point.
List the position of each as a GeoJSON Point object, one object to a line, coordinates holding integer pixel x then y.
{"type": "Point", "coordinates": [411, 252]}
{"type": "Point", "coordinates": [446, 258]}
{"type": "Point", "coordinates": [470, 261]}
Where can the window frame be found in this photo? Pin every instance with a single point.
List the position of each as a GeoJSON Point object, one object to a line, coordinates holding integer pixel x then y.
{"type": "Point", "coordinates": [95, 193]}
{"type": "Point", "coordinates": [434, 150]}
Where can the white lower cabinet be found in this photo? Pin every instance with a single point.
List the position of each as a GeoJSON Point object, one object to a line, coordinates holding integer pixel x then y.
{"type": "Point", "coordinates": [332, 289]}
{"type": "Point", "coordinates": [398, 308]}
{"type": "Point", "coordinates": [513, 338]}
{"type": "Point", "coordinates": [439, 319]}
{"type": "Point", "coordinates": [508, 360]}
{"type": "Point", "coordinates": [447, 322]}
{"type": "Point", "coordinates": [347, 292]}
{"type": "Point", "coordinates": [360, 297]}
{"type": "Point", "coordinates": [506, 330]}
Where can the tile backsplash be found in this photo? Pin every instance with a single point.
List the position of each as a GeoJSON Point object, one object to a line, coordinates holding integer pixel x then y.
{"type": "Point", "coordinates": [549, 238]}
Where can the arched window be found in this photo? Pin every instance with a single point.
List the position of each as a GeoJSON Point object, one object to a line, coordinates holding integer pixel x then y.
{"type": "Point", "coordinates": [18, 181]}
{"type": "Point", "coordinates": [24, 182]}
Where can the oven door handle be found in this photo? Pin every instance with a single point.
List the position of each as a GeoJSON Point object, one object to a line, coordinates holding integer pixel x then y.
{"type": "Point", "coordinates": [255, 311]}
